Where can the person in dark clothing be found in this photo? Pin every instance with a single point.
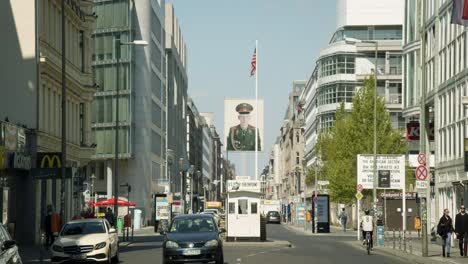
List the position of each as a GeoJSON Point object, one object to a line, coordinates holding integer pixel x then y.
{"type": "Point", "coordinates": [110, 216]}
{"type": "Point", "coordinates": [461, 228]}
{"type": "Point", "coordinates": [49, 235]}
{"type": "Point", "coordinates": [445, 229]}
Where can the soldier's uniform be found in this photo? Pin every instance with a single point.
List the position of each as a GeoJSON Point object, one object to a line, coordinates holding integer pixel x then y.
{"type": "Point", "coordinates": [242, 139]}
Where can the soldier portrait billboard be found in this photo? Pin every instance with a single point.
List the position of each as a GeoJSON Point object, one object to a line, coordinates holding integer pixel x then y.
{"type": "Point", "coordinates": [240, 117]}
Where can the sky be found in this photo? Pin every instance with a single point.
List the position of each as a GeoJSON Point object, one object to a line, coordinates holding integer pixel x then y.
{"type": "Point", "coordinates": [220, 37]}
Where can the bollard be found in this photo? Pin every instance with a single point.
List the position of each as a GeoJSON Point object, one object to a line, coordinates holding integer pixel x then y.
{"type": "Point", "coordinates": [399, 239]}
{"type": "Point", "coordinates": [410, 243]}
{"type": "Point", "coordinates": [404, 240]}
{"type": "Point", "coordinates": [394, 246]}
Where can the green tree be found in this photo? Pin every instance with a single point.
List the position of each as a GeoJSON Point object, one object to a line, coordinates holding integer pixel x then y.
{"type": "Point", "coordinates": [352, 134]}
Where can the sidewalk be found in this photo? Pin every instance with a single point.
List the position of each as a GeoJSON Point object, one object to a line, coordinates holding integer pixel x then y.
{"type": "Point", "coordinates": [334, 231]}
{"type": "Point", "coordinates": [34, 254]}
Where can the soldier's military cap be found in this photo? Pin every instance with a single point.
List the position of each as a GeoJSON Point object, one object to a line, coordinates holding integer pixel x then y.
{"type": "Point", "coordinates": [244, 108]}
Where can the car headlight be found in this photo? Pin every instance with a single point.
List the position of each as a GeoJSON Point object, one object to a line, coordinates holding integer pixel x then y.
{"type": "Point", "coordinates": [57, 248]}
{"type": "Point", "coordinates": [100, 245]}
{"type": "Point", "coordinates": [171, 244]}
{"type": "Point", "coordinates": [212, 243]}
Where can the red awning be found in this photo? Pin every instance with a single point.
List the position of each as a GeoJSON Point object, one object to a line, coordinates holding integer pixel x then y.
{"type": "Point", "coordinates": [110, 202]}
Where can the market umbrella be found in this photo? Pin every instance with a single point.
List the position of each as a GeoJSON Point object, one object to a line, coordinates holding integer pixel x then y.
{"type": "Point", "coordinates": [110, 202]}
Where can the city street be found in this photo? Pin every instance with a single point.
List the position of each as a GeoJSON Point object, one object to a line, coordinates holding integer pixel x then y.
{"type": "Point", "coordinates": [321, 249]}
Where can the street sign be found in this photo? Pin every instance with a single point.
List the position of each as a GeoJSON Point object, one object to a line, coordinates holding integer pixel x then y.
{"type": "Point", "coordinates": [421, 184]}
{"type": "Point", "coordinates": [359, 195]}
{"type": "Point", "coordinates": [359, 188]}
{"type": "Point", "coordinates": [394, 163]}
{"type": "Point", "coordinates": [421, 173]}
{"type": "Point", "coordinates": [422, 158]}
{"type": "Point", "coordinates": [323, 182]}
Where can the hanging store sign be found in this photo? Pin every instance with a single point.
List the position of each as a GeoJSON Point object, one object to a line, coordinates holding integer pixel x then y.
{"type": "Point", "coordinates": [11, 137]}
{"type": "Point", "coordinates": [413, 131]}
{"type": "Point", "coordinates": [21, 161]}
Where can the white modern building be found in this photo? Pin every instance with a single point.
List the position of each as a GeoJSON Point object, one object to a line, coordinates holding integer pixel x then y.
{"type": "Point", "coordinates": [142, 99]}
{"type": "Point", "coordinates": [362, 27]}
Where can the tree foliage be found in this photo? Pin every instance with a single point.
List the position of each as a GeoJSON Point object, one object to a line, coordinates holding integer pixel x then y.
{"type": "Point", "coordinates": [352, 134]}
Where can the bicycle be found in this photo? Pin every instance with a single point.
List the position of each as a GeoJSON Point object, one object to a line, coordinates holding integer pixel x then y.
{"type": "Point", "coordinates": [368, 242]}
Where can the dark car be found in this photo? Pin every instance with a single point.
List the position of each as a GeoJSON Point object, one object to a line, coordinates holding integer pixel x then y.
{"type": "Point", "coordinates": [193, 238]}
{"type": "Point", "coordinates": [9, 250]}
{"type": "Point", "coordinates": [273, 217]}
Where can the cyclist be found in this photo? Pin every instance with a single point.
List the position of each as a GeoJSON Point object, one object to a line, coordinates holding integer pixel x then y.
{"type": "Point", "coordinates": [367, 225]}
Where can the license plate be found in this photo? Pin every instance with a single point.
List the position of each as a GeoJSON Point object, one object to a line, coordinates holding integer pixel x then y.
{"type": "Point", "coordinates": [78, 256]}
{"type": "Point", "coordinates": [191, 252]}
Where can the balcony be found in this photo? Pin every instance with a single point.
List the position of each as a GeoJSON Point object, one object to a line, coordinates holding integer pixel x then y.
{"type": "Point", "coordinates": [393, 99]}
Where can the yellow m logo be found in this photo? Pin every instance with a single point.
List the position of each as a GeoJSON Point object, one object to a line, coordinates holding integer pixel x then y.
{"type": "Point", "coordinates": [52, 161]}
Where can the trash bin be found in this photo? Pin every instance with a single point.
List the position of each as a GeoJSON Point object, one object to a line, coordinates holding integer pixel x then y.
{"type": "Point", "coordinates": [137, 219]}
{"type": "Point", "coordinates": [263, 232]}
{"type": "Point", "coordinates": [119, 224]}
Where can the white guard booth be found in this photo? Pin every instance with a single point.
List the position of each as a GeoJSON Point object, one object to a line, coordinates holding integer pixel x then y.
{"type": "Point", "coordinates": [243, 210]}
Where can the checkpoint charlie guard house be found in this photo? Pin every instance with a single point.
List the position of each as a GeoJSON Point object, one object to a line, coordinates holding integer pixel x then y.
{"type": "Point", "coordinates": [243, 210]}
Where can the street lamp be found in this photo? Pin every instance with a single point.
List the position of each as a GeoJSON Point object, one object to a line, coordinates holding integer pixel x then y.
{"type": "Point", "coordinates": [182, 198]}
{"type": "Point", "coordinates": [170, 161]}
{"type": "Point", "coordinates": [191, 171]}
{"type": "Point", "coordinates": [118, 44]}
{"type": "Point", "coordinates": [198, 173]}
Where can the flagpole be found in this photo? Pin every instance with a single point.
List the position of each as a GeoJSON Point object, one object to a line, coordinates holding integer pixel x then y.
{"type": "Point", "coordinates": [256, 110]}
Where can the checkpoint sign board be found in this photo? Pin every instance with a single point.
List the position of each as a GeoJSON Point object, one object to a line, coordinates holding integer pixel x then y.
{"type": "Point", "coordinates": [393, 163]}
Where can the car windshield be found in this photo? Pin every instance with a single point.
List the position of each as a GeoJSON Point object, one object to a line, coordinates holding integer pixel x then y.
{"type": "Point", "coordinates": [83, 229]}
{"type": "Point", "coordinates": [273, 213]}
{"type": "Point", "coordinates": [193, 225]}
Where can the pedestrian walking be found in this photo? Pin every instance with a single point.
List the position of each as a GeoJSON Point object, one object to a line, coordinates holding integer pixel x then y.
{"type": "Point", "coordinates": [110, 216]}
{"type": "Point", "coordinates": [445, 229]}
{"type": "Point", "coordinates": [343, 218]}
{"type": "Point", "coordinates": [461, 228]}
{"type": "Point", "coordinates": [49, 235]}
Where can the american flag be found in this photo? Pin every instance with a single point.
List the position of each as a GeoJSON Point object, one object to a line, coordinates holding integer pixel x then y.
{"type": "Point", "coordinates": [253, 63]}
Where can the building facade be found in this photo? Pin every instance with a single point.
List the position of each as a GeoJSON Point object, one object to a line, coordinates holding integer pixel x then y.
{"type": "Point", "coordinates": [141, 101]}
{"type": "Point", "coordinates": [31, 74]}
{"type": "Point", "coordinates": [349, 59]}
{"type": "Point", "coordinates": [445, 62]}
{"type": "Point", "coordinates": [177, 85]}
{"type": "Point", "coordinates": [291, 145]}
{"type": "Point", "coordinates": [195, 151]}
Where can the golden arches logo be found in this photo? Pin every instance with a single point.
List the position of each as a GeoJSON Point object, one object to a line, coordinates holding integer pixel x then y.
{"type": "Point", "coordinates": [51, 160]}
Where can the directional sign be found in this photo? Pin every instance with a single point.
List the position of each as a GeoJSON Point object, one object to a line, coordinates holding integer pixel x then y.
{"type": "Point", "coordinates": [359, 188]}
{"type": "Point", "coordinates": [421, 173]}
{"type": "Point", "coordinates": [359, 195]}
{"type": "Point", "coordinates": [422, 158]}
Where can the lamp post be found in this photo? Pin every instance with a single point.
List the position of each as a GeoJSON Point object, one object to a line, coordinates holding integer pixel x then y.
{"type": "Point", "coordinates": [170, 161]}
{"type": "Point", "coordinates": [374, 185]}
{"type": "Point", "coordinates": [182, 198]}
{"type": "Point", "coordinates": [118, 44]}
{"type": "Point", "coordinates": [198, 189]}
{"type": "Point", "coordinates": [191, 172]}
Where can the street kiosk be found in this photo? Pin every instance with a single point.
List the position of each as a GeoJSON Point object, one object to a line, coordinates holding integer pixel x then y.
{"type": "Point", "coordinates": [243, 210]}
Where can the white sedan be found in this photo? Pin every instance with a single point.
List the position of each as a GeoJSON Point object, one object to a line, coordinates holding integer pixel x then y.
{"type": "Point", "coordinates": [86, 240]}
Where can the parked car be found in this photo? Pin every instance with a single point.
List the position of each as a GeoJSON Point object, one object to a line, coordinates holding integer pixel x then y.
{"type": "Point", "coordinates": [9, 250]}
{"type": "Point", "coordinates": [86, 240]}
{"type": "Point", "coordinates": [193, 238]}
{"type": "Point", "coordinates": [273, 217]}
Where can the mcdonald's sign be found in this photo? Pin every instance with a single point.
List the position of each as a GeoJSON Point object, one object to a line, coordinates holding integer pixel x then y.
{"type": "Point", "coordinates": [49, 160]}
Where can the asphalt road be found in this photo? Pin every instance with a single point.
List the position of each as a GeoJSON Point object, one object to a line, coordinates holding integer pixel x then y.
{"type": "Point", "coordinates": [324, 249]}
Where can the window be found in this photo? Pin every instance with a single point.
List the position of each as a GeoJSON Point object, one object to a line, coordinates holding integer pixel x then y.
{"type": "Point", "coordinates": [232, 208]}
{"type": "Point", "coordinates": [335, 93]}
{"type": "Point", "coordinates": [297, 158]}
{"type": "Point", "coordinates": [242, 206]}
{"type": "Point", "coordinates": [253, 208]}
{"type": "Point", "coordinates": [338, 64]}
